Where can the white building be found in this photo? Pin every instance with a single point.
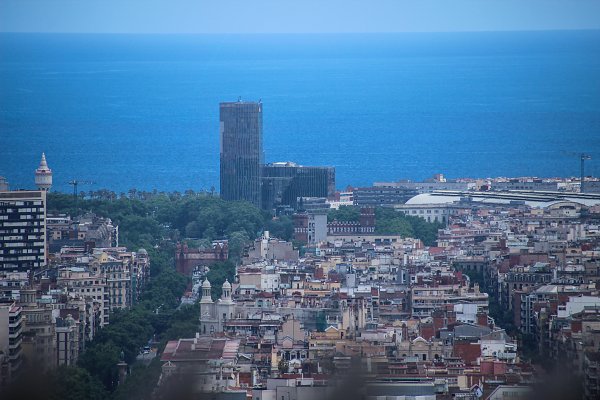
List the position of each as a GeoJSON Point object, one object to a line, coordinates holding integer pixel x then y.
{"type": "Point", "coordinates": [213, 314]}
{"type": "Point", "coordinates": [22, 230]}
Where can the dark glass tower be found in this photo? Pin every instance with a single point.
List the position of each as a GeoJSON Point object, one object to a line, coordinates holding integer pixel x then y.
{"type": "Point", "coordinates": [241, 151]}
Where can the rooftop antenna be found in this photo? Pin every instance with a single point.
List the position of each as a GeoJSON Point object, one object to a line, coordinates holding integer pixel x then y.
{"type": "Point", "coordinates": [239, 99]}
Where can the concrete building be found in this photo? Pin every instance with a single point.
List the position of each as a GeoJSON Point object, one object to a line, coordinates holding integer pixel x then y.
{"type": "Point", "coordinates": [529, 184]}
{"type": "Point", "coordinates": [429, 185]}
{"type": "Point", "coordinates": [82, 282]}
{"type": "Point", "coordinates": [241, 133]}
{"type": "Point", "coordinates": [268, 248]}
{"type": "Point", "coordinates": [364, 226]}
{"type": "Point", "coordinates": [22, 230]}
{"type": "Point", "coordinates": [213, 315]}
{"type": "Point", "coordinates": [39, 336]}
{"type": "Point", "coordinates": [11, 326]}
{"type": "Point", "coordinates": [429, 212]}
{"type": "Point", "coordinates": [283, 183]}
{"type": "Point", "coordinates": [310, 228]}
{"type": "Point", "coordinates": [377, 196]}
{"type": "Point", "coordinates": [67, 340]}
{"type": "Point", "coordinates": [424, 300]}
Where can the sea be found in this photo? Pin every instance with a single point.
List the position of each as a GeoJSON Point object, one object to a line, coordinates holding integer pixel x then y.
{"type": "Point", "coordinates": [142, 111]}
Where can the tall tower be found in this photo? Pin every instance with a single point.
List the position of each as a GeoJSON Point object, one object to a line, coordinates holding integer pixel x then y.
{"type": "Point", "coordinates": [43, 175]}
{"type": "Point", "coordinates": [207, 310]}
{"type": "Point", "coordinates": [241, 151]}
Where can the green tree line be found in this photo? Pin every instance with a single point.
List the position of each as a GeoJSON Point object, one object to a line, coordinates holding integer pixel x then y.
{"type": "Point", "coordinates": [389, 221]}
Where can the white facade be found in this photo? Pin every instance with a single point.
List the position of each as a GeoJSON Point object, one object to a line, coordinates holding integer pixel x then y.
{"type": "Point", "coordinates": [576, 305]}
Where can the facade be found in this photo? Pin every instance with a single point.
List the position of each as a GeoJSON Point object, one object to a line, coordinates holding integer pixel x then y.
{"type": "Point", "coordinates": [429, 212]}
{"type": "Point", "coordinates": [241, 151]}
{"type": "Point", "coordinates": [377, 196]}
{"type": "Point", "coordinates": [310, 228]}
{"type": "Point", "coordinates": [82, 282]}
{"type": "Point", "coordinates": [213, 315]}
{"type": "Point", "coordinates": [187, 259]}
{"type": "Point", "coordinates": [428, 186]}
{"type": "Point", "coordinates": [39, 337]}
{"type": "Point", "coordinates": [67, 340]}
{"type": "Point", "coordinates": [22, 230]}
{"type": "Point", "coordinates": [364, 226]}
{"type": "Point", "coordinates": [533, 184]}
{"type": "Point", "coordinates": [284, 182]}
{"type": "Point", "coordinates": [11, 326]}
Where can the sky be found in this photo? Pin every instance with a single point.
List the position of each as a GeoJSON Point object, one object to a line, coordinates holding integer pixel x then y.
{"type": "Point", "coordinates": [295, 16]}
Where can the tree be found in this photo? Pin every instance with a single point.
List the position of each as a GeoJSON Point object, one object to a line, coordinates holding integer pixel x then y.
{"type": "Point", "coordinates": [217, 274]}
{"type": "Point", "coordinates": [344, 213]}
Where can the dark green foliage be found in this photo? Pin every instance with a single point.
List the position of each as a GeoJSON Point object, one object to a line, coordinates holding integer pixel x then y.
{"type": "Point", "coordinates": [344, 213]}
{"type": "Point", "coordinates": [281, 227]}
{"type": "Point", "coordinates": [143, 222]}
{"type": "Point", "coordinates": [218, 273]}
{"type": "Point", "coordinates": [321, 321]}
{"type": "Point", "coordinates": [62, 383]}
{"type": "Point", "coordinates": [140, 383]}
{"type": "Point", "coordinates": [152, 222]}
{"type": "Point", "coordinates": [391, 222]}
{"type": "Point", "coordinates": [130, 330]}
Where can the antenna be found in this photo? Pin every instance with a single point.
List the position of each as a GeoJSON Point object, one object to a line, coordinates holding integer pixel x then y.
{"type": "Point", "coordinates": [76, 182]}
{"type": "Point", "coordinates": [582, 184]}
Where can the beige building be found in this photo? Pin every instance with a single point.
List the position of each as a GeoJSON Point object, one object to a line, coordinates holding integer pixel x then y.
{"type": "Point", "coordinates": [39, 342]}
{"type": "Point", "coordinates": [67, 340]}
{"type": "Point", "coordinates": [81, 282]}
{"type": "Point", "coordinates": [11, 327]}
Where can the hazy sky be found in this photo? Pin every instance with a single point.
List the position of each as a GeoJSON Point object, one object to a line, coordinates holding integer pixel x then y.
{"type": "Point", "coordinates": [294, 16]}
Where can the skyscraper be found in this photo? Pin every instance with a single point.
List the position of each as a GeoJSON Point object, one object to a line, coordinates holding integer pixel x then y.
{"type": "Point", "coordinates": [241, 151]}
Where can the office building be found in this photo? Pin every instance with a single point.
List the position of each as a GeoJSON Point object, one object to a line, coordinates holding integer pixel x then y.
{"type": "Point", "coordinates": [241, 151]}
{"type": "Point", "coordinates": [379, 196]}
{"type": "Point", "coordinates": [283, 183]}
{"type": "Point", "coordinates": [22, 230]}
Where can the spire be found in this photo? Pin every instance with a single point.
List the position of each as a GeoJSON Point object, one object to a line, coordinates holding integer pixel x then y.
{"type": "Point", "coordinates": [43, 163]}
{"type": "Point", "coordinates": [43, 175]}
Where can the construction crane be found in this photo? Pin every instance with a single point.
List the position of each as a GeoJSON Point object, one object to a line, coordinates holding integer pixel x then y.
{"type": "Point", "coordinates": [583, 158]}
{"type": "Point", "coordinates": [76, 182]}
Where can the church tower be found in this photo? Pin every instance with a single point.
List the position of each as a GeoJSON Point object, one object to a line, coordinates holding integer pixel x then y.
{"type": "Point", "coordinates": [43, 175]}
{"type": "Point", "coordinates": [213, 315]}
{"type": "Point", "coordinates": [208, 324]}
{"type": "Point", "coordinates": [226, 306]}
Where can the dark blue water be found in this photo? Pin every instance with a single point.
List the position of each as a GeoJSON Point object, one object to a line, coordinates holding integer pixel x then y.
{"type": "Point", "coordinates": [142, 111]}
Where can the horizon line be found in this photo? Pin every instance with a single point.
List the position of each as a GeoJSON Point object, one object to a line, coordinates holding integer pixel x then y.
{"type": "Point", "coordinates": [297, 33]}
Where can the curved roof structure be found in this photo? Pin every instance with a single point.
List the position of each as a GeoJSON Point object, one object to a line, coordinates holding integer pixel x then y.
{"type": "Point", "coordinates": [514, 197]}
